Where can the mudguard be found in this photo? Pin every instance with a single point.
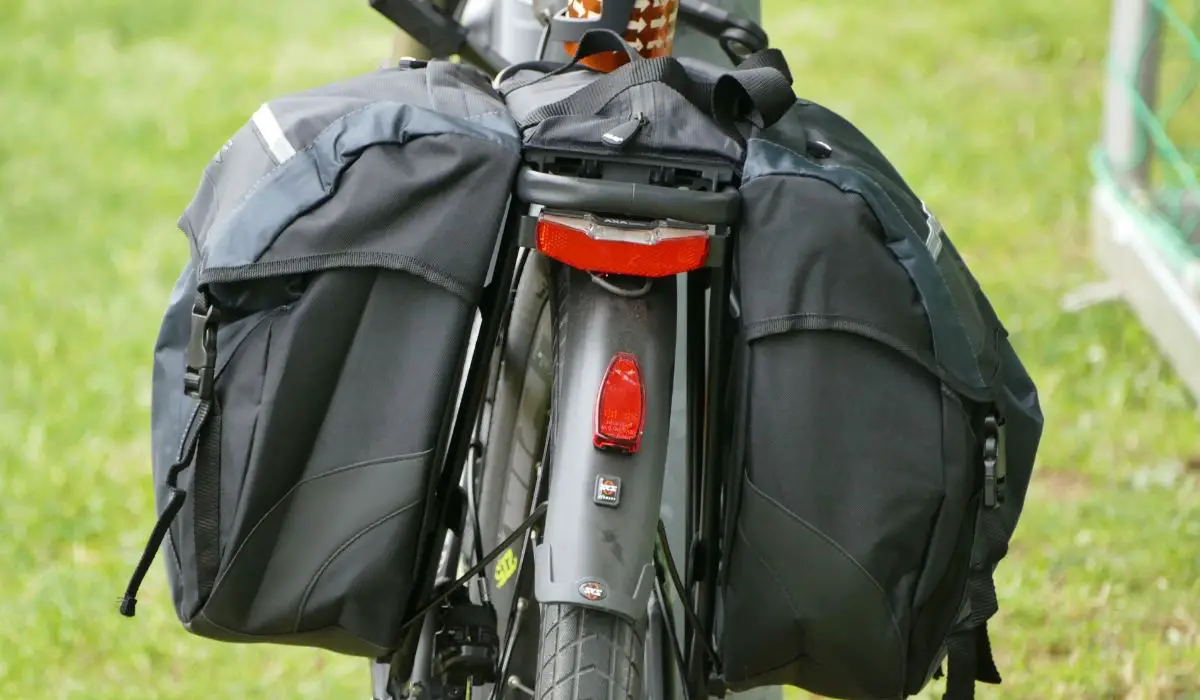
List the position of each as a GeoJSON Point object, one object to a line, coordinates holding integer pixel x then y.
{"type": "Point", "coordinates": [596, 553]}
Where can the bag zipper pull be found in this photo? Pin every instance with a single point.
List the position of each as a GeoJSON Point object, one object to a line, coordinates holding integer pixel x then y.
{"type": "Point", "coordinates": [624, 133]}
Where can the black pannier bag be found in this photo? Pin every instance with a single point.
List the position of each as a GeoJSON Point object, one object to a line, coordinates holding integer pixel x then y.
{"type": "Point", "coordinates": [309, 358]}
{"type": "Point", "coordinates": [886, 430]}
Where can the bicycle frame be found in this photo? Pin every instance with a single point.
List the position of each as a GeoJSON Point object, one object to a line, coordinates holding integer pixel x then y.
{"type": "Point", "coordinates": [689, 502]}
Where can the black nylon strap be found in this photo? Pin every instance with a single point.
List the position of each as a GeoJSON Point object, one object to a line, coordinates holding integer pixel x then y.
{"type": "Point", "coordinates": [768, 58]}
{"type": "Point", "coordinates": [962, 662]}
{"type": "Point", "coordinates": [541, 69]}
{"type": "Point", "coordinates": [200, 449]}
{"type": "Point", "coordinates": [759, 90]}
{"type": "Point", "coordinates": [760, 95]}
{"type": "Point", "coordinates": [206, 505]}
{"type": "Point", "coordinates": [607, 87]}
{"type": "Point", "coordinates": [970, 649]}
{"type": "Point", "coordinates": [970, 662]}
{"type": "Point", "coordinates": [175, 500]}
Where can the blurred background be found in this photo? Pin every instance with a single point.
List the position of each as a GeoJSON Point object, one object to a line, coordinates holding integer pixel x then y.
{"type": "Point", "coordinates": [991, 108]}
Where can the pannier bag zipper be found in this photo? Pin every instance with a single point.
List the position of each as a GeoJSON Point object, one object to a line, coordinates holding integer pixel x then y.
{"type": "Point", "coordinates": [625, 132]}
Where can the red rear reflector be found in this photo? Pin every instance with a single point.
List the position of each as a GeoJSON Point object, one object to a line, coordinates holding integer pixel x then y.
{"type": "Point", "coordinates": [621, 406]}
{"type": "Point", "coordinates": [594, 244]}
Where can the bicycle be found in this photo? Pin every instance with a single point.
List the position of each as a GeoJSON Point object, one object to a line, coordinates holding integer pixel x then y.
{"type": "Point", "coordinates": [616, 620]}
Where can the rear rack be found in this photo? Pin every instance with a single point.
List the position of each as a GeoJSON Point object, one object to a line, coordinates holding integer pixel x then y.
{"type": "Point", "coordinates": [692, 174]}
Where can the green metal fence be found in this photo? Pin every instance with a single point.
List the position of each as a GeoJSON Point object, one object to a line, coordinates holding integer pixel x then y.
{"type": "Point", "coordinates": [1147, 168]}
{"type": "Point", "coordinates": [1157, 170]}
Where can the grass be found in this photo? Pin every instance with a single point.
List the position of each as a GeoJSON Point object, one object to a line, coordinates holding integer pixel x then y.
{"type": "Point", "coordinates": [113, 107]}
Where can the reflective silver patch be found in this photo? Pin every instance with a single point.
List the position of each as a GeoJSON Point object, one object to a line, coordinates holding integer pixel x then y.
{"type": "Point", "coordinates": [933, 241]}
{"type": "Point", "coordinates": [272, 133]}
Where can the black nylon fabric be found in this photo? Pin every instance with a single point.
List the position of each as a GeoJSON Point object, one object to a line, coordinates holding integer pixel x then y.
{"type": "Point", "coordinates": [340, 398]}
{"type": "Point", "coordinates": [849, 441]}
{"type": "Point", "coordinates": [860, 547]}
{"type": "Point", "coordinates": [573, 110]}
{"type": "Point", "coordinates": [685, 109]}
{"type": "Point", "coordinates": [293, 498]}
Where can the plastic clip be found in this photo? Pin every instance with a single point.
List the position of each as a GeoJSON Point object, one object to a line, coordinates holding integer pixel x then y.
{"type": "Point", "coordinates": [995, 469]}
{"type": "Point", "coordinates": [200, 377]}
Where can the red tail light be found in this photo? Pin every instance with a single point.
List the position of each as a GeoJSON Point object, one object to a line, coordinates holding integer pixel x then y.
{"type": "Point", "coordinates": [621, 406]}
{"type": "Point", "coordinates": [608, 246]}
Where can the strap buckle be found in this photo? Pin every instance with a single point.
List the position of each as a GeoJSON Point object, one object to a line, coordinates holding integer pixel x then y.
{"type": "Point", "coordinates": [199, 378]}
{"type": "Point", "coordinates": [995, 467]}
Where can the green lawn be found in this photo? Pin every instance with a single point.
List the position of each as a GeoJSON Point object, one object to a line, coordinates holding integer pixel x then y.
{"type": "Point", "coordinates": [111, 108]}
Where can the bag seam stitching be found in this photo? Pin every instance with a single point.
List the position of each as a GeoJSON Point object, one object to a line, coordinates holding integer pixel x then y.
{"type": "Point", "coordinates": [290, 492]}
{"type": "Point", "coordinates": [828, 540]}
{"type": "Point", "coordinates": [858, 192]}
{"type": "Point", "coordinates": [312, 584]}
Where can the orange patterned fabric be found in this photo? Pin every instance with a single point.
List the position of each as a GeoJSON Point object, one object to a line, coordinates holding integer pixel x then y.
{"type": "Point", "coordinates": [651, 29]}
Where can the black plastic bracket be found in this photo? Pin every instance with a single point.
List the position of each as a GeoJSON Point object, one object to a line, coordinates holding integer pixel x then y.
{"type": "Point", "coordinates": [995, 468]}
{"type": "Point", "coordinates": [467, 647]}
{"type": "Point", "coordinates": [199, 377]}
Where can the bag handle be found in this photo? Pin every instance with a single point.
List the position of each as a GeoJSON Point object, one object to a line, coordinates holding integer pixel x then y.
{"type": "Point", "coordinates": [606, 88]}
{"type": "Point", "coordinates": [595, 41]}
{"type": "Point", "coordinates": [759, 90]}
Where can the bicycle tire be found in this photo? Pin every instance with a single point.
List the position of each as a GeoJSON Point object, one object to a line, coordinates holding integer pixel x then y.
{"type": "Point", "coordinates": [588, 654]}
{"type": "Point", "coordinates": [515, 423]}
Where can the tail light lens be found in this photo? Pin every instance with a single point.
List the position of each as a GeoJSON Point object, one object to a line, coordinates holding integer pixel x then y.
{"type": "Point", "coordinates": [621, 406]}
{"type": "Point", "coordinates": [619, 247]}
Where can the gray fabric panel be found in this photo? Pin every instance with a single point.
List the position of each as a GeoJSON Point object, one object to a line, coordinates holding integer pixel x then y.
{"type": "Point", "coordinates": [461, 91]}
{"type": "Point", "coordinates": [543, 91]}
{"type": "Point", "coordinates": [242, 161]}
{"type": "Point", "coordinates": [309, 178]}
{"type": "Point", "coordinates": [678, 126]}
{"type": "Point", "coordinates": [403, 207]}
{"type": "Point", "coordinates": [675, 126]}
{"type": "Point", "coordinates": [452, 89]}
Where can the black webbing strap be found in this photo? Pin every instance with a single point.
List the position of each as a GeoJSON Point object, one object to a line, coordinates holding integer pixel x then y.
{"type": "Point", "coordinates": [759, 91]}
{"type": "Point", "coordinates": [197, 448]}
{"type": "Point", "coordinates": [591, 99]}
{"type": "Point", "coordinates": [206, 504]}
{"type": "Point", "coordinates": [969, 649]}
{"type": "Point", "coordinates": [768, 58]}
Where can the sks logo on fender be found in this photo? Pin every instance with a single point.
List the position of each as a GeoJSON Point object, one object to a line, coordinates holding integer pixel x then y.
{"type": "Point", "coordinates": [506, 566]}
{"type": "Point", "coordinates": [608, 491]}
{"type": "Point", "coordinates": [593, 591]}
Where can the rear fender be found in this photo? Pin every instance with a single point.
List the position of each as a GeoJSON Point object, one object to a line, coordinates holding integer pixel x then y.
{"type": "Point", "coordinates": [591, 554]}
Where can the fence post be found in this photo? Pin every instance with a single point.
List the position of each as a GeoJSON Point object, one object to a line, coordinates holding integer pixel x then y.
{"type": "Point", "coordinates": [1135, 47]}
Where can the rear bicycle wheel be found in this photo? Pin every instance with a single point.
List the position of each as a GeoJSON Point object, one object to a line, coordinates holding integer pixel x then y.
{"type": "Point", "coordinates": [588, 654]}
